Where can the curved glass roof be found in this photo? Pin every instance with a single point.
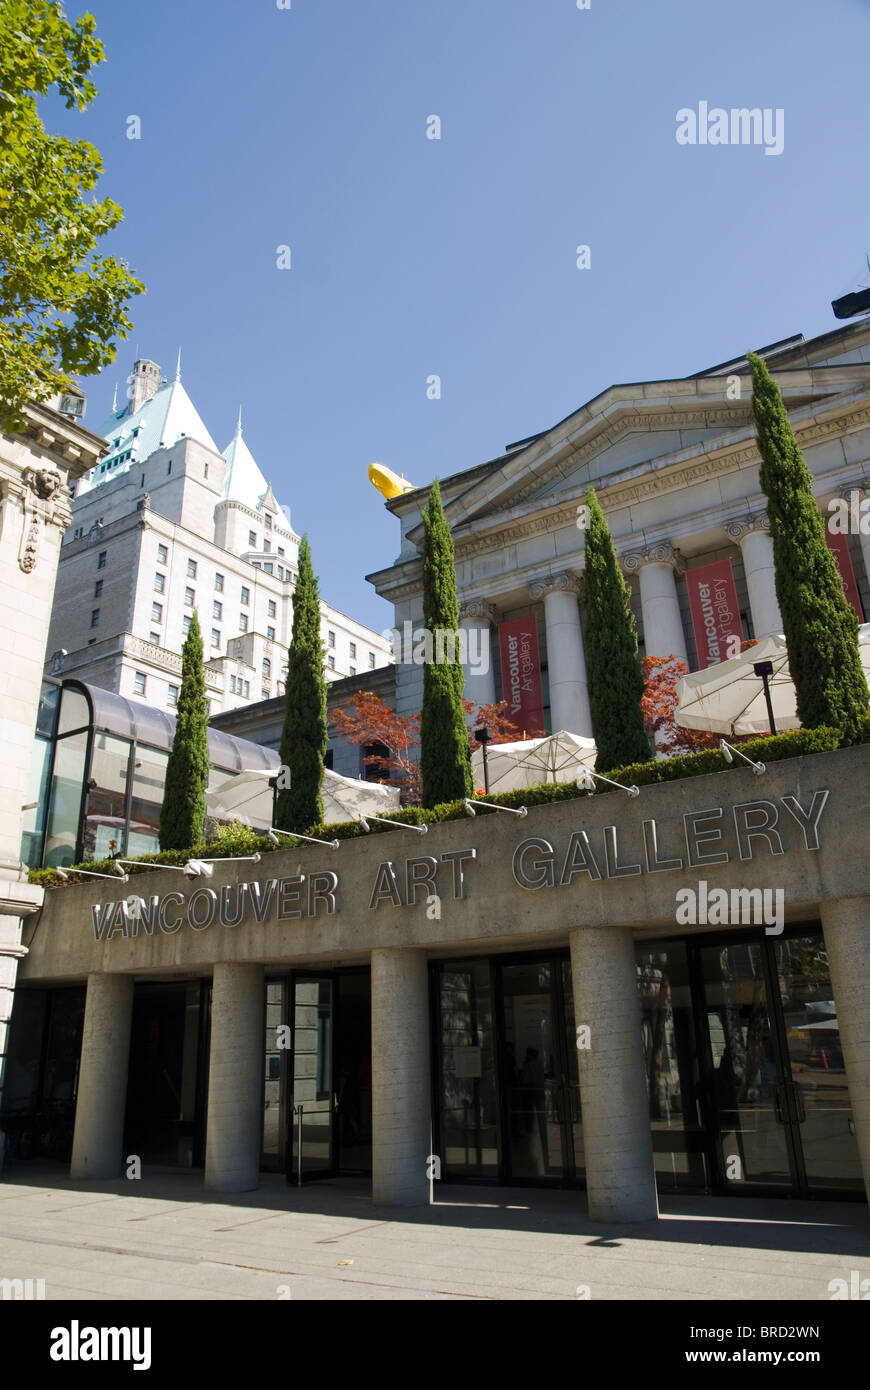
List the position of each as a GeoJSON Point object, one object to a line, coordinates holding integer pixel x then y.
{"type": "Point", "coordinates": [115, 714]}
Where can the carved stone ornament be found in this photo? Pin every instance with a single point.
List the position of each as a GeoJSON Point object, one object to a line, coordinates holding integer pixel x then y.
{"type": "Point", "coordinates": [565, 583]}
{"type": "Point", "coordinates": [662, 554]}
{"type": "Point", "coordinates": [41, 491]}
{"type": "Point", "coordinates": [479, 610]}
{"type": "Point", "coordinates": [738, 529]}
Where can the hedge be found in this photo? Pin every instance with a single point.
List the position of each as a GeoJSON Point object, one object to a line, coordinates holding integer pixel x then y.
{"type": "Point", "coordinates": [772, 748]}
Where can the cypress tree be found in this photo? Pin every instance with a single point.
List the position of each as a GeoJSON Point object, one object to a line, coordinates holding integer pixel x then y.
{"type": "Point", "coordinates": [303, 737]}
{"type": "Point", "coordinates": [821, 628]}
{"type": "Point", "coordinates": [444, 754]}
{"type": "Point", "coordinates": [182, 815]}
{"type": "Point", "coordinates": [612, 660]}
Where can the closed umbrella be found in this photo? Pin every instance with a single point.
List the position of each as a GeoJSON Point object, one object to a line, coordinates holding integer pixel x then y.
{"type": "Point", "coordinates": [728, 698]}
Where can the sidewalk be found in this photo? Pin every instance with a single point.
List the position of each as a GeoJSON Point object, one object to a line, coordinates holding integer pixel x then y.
{"type": "Point", "coordinates": [164, 1237]}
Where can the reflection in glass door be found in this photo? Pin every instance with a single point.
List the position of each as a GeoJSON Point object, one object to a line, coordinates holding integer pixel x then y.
{"type": "Point", "coordinates": [311, 1112]}
{"type": "Point", "coordinates": [539, 1072]}
{"type": "Point", "coordinates": [817, 1081]}
{"type": "Point", "coordinates": [747, 1091]}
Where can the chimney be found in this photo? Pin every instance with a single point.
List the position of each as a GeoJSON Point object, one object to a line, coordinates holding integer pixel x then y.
{"type": "Point", "coordinates": [142, 384]}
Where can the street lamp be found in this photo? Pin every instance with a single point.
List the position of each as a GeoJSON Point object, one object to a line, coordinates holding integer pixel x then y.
{"type": "Point", "coordinates": [764, 669]}
{"type": "Point", "coordinates": [482, 736]}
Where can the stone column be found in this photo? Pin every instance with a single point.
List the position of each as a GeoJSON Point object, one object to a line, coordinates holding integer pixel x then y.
{"type": "Point", "coordinates": [401, 1109]}
{"type": "Point", "coordinates": [566, 655]}
{"type": "Point", "coordinates": [864, 499]}
{"type": "Point", "coordinates": [617, 1140]}
{"type": "Point", "coordinates": [102, 1095]}
{"type": "Point", "coordinates": [846, 925]}
{"type": "Point", "coordinates": [475, 618]}
{"type": "Point", "coordinates": [658, 567]}
{"type": "Point", "coordinates": [234, 1126]}
{"type": "Point", "coordinates": [34, 512]}
{"type": "Point", "coordinates": [756, 547]}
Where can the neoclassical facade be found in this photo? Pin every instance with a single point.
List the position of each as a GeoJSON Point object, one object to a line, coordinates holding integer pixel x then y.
{"type": "Point", "coordinates": [675, 467]}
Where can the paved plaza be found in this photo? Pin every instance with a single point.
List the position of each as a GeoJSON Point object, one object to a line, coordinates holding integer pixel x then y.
{"type": "Point", "coordinates": [164, 1237]}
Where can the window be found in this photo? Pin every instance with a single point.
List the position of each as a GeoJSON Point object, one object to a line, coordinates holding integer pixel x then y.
{"type": "Point", "coordinates": [185, 626]}
{"type": "Point", "coordinates": [157, 612]}
{"type": "Point", "coordinates": [353, 651]}
{"type": "Point", "coordinates": [270, 634]}
{"type": "Point", "coordinates": [330, 639]}
{"type": "Point", "coordinates": [265, 693]}
{"type": "Point", "coordinates": [281, 550]}
{"type": "Point", "coordinates": [353, 670]}
{"type": "Point", "coordinates": [330, 661]}
{"type": "Point", "coordinates": [371, 661]}
{"type": "Point", "coordinates": [268, 568]}
{"type": "Point", "coordinates": [252, 539]}
{"type": "Point", "coordinates": [272, 609]}
{"type": "Point", "coordinates": [162, 554]}
{"type": "Point", "coordinates": [247, 689]}
{"type": "Point", "coordinates": [232, 685]}
{"type": "Point", "coordinates": [268, 522]}
{"type": "Point", "coordinates": [189, 597]}
{"type": "Point", "coordinates": [215, 637]}
{"type": "Point", "coordinates": [219, 583]}
{"type": "Point", "coordinates": [98, 588]}
{"type": "Point", "coordinates": [138, 682]}
{"type": "Point", "coordinates": [155, 638]}
{"type": "Point", "coordinates": [95, 617]}
{"type": "Point", "coordinates": [267, 669]}
{"type": "Point", "coordinates": [159, 583]}
{"type": "Point", "coordinates": [246, 595]}
{"type": "Point", "coordinates": [217, 610]}
{"type": "Point", "coordinates": [191, 568]}
{"type": "Point", "coordinates": [243, 622]}
{"type": "Point", "coordinates": [172, 695]}
{"type": "Point", "coordinates": [101, 559]}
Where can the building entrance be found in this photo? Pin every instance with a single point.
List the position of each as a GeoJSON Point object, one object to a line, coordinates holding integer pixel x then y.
{"type": "Point", "coordinates": [773, 1072]}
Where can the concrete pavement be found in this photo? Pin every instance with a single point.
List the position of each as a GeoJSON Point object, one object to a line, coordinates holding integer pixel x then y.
{"type": "Point", "coordinates": [165, 1237]}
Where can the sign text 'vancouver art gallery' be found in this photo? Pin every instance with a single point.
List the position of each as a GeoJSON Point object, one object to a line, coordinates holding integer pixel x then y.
{"type": "Point", "coordinates": [708, 837]}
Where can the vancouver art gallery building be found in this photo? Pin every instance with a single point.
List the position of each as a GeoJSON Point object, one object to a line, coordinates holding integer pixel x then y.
{"type": "Point", "coordinates": [513, 998]}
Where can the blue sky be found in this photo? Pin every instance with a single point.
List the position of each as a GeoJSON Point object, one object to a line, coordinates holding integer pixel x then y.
{"type": "Point", "coordinates": [306, 127]}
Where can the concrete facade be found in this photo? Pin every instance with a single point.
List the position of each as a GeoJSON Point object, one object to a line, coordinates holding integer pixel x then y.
{"type": "Point", "coordinates": [36, 467]}
{"type": "Point", "coordinates": [598, 874]}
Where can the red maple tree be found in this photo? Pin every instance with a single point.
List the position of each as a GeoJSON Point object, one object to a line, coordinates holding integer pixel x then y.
{"type": "Point", "coordinates": [368, 720]}
{"type": "Point", "coordinates": [659, 706]}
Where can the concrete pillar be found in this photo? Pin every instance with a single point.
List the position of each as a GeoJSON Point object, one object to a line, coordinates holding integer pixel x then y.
{"type": "Point", "coordinates": [566, 655]}
{"type": "Point", "coordinates": [864, 537]}
{"type": "Point", "coordinates": [235, 1079]}
{"type": "Point", "coordinates": [756, 548]}
{"type": "Point", "coordinates": [657, 568]}
{"type": "Point", "coordinates": [475, 618]}
{"type": "Point", "coordinates": [98, 1138]}
{"type": "Point", "coordinates": [17, 900]}
{"type": "Point", "coordinates": [617, 1140]}
{"type": "Point", "coordinates": [846, 925]}
{"type": "Point", "coordinates": [401, 1111]}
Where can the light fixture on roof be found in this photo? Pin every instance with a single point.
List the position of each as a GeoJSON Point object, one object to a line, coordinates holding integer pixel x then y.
{"type": "Point", "coordinates": [400, 825]}
{"type": "Point", "coordinates": [728, 754]}
{"type": "Point", "coordinates": [491, 806]}
{"type": "Point", "coordinates": [585, 781]}
{"type": "Point", "coordinates": [272, 834]}
{"type": "Point", "coordinates": [88, 873]}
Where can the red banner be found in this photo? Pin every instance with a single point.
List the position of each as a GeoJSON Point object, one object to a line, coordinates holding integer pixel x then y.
{"type": "Point", "coordinates": [521, 674]}
{"type": "Point", "coordinates": [715, 612]}
{"type": "Point", "coordinates": [838, 544]}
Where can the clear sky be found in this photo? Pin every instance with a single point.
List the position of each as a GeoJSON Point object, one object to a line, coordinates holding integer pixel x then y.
{"type": "Point", "coordinates": [306, 127]}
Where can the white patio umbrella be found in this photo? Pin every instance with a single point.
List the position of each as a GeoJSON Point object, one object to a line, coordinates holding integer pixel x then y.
{"type": "Point", "coordinates": [561, 757]}
{"type": "Point", "coordinates": [248, 797]}
{"type": "Point", "coordinates": [728, 698]}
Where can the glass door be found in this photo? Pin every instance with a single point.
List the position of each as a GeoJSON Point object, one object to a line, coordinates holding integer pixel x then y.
{"type": "Point", "coordinates": [311, 1112]}
{"type": "Point", "coordinates": [541, 1104]}
{"type": "Point", "coordinates": [819, 1095]}
{"type": "Point", "coordinates": [747, 1093]}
